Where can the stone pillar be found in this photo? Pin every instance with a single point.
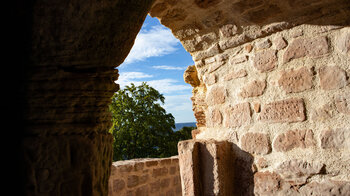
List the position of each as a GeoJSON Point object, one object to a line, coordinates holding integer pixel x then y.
{"type": "Point", "coordinates": [206, 167]}
{"type": "Point", "coordinates": [68, 73]}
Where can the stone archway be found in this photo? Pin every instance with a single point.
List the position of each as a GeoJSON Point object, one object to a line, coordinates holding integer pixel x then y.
{"type": "Point", "coordinates": [254, 61]}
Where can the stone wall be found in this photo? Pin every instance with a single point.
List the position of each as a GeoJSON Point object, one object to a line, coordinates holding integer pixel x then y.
{"type": "Point", "coordinates": [272, 79]}
{"type": "Point", "coordinates": [139, 177]}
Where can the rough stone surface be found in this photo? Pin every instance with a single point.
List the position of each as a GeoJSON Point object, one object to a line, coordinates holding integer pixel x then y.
{"type": "Point", "coordinates": [266, 183]}
{"type": "Point", "coordinates": [294, 81]}
{"type": "Point", "coordinates": [191, 76]}
{"type": "Point", "coordinates": [215, 118]}
{"type": "Point", "coordinates": [342, 42]}
{"type": "Point", "coordinates": [216, 95]}
{"type": "Point", "coordinates": [201, 172]}
{"type": "Point", "coordinates": [290, 110]}
{"type": "Point", "coordinates": [342, 102]}
{"type": "Point", "coordinates": [253, 89]}
{"type": "Point", "coordinates": [237, 115]}
{"type": "Point", "coordinates": [279, 43]}
{"type": "Point", "coordinates": [145, 177]}
{"type": "Point", "coordinates": [332, 77]}
{"type": "Point", "coordinates": [335, 139]}
{"type": "Point", "coordinates": [256, 143]}
{"type": "Point", "coordinates": [327, 188]}
{"type": "Point", "coordinates": [297, 171]}
{"type": "Point", "coordinates": [311, 47]}
{"type": "Point", "coordinates": [294, 139]}
{"type": "Point", "coordinates": [265, 61]}
{"type": "Point", "coordinates": [235, 74]}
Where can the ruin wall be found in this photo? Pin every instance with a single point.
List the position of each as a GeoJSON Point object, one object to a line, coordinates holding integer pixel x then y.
{"type": "Point", "coordinates": [150, 176]}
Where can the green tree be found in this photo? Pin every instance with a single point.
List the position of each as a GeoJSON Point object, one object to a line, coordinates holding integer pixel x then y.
{"type": "Point", "coordinates": [141, 126]}
{"type": "Point", "coordinates": [184, 133]}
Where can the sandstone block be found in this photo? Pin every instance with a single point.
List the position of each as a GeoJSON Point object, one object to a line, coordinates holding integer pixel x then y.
{"type": "Point", "coordinates": [151, 163]}
{"type": "Point", "coordinates": [118, 185]}
{"type": "Point", "coordinates": [332, 77]}
{"type": "Point", "coordinates": [266, 183]}
{"type": "Point", "coordinates": [212, 79]}
{"type": "Point", "coordinates": [159, 172]}
{"type": "Point", "coordinates": [342, 41]}
{"type": "Point", "coordinates": [253, 89]}
{"type": "Point", "coordinates": [191, 76]}
{"type": "Point", "coordinates": [338, 138]}
{"type": "Point", "coordinates": [213, 50]}
{"type": "Point", "coordinates": [327, 187]}
{"type": "Point", "coordinates": [279, 43]}
{"type": "Point", "coordinates": [301, 47]}
{"type": "Point", "coordinates": [216, 95]}
{"type": "Point", "coordinates": [205, 167]}
{"type": "Point", "coordinates": [235, 74]}
{"type": "Point", "coordinates": [294, 139]}
{"type": "Point", "coordinates": [297, 171]}
{"type": "Point", "coordinates": [239, 59]}
{"type": "Point", "coordinates": [215, 118]}
{"type": "Point", "coordinates": [265, 61]}
{"type": "Point", "coordinates": [264, 44]}
{"type": "Point", "coordinates": [232, 42]}
{"type": "Point", "coordinates": [294, 81]}
{"type": "Point", "coordinates": [133, 180]}
{"type": "Point", "coordinates": [288, 110]}
{"type": "Point", "coordinates": [256, 143]}
{"type": "Point", "coordinates": [237, 115]}
{"type": "Point", "coordinates": [342, 102]}
{"type": "Point", "coordinates": [228, 30]}
{"type": "Point", "coordinates": [142, 191]}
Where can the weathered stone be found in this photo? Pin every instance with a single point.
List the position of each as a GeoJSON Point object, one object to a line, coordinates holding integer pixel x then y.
{"type": "Point", "coordinates": [264, 44]}
{"type": "Point", "coordinates": [342, 102]}
{"type": "Point", "coordinates": [215, 118]}
{"type": "Point", "coordinates": [142, 191]}
{"type": "Point", "coordinates": [118, 185]}
{"type": "Point", "coordinates": [253, 89]}
{"type": "Point", "coordinates": [159, 172]}
{"type": "Point", "coordinates": [151, 163]}
{"type": "Point", "coordinates": [216, 95]}
{"type": "Point", "coordinates": [294, 139]}
{"type": "Point", "coordinates": [322, 113]}
{"type": "Point", "coordinates": [301, 47]}
{"type": "Point", "coordinates": [342, 41]}
{"type": "Point", "coordinates": [212, 79]}
{"type": "Point", "coordinates": [213, 50]}
{"type": "Point", "coordinates": [288, 110]}
{"type": "Point", "coordinates": [133, 180]}
{"type": "Point", "coordinates": [213, 176]}
{"type": "Point", "coordinates": [332, 77]}
{"type": "Point", "coordinates": [235, 74]}
{"type": "Point", "coordinates": [262, 163]}
{"type": "Point", "coordinates": [248, 48]}
{"type": "Point", "coordinates": [336, 139]}
{"type": "Point", "coordinates": [297, 171]}
{"type": "Point", "coordinates": [239, 59]}
{"type": "Point", "coordinates": [265, 61]}
{"type": "Point", "coordinates": [294, 81]}
{"type": "Point", "coordinates": [237, 115]}
{"type": "Point", "coordinates": [164, 183]}
{"type": "Point", "coordinates": [232, 42]}
{"type": "Point", "coordinates": [326, 188]}
{"type": "Point", "coordinates": [279, 43]}
{"type": "Point", "coordinates": [256, 143]}
{"type": "Point", "coordinates": [228, 30]}
{"type": "Point", "coordinates": [172, 15]}
{"type": "Point", "coordinates": [266, 183]}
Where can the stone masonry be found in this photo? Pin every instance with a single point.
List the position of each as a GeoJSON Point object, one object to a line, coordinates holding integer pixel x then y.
{"type": "Point", "coordinates": [143, 177]}
{"type": "Point", "coordinates": [272, 81]}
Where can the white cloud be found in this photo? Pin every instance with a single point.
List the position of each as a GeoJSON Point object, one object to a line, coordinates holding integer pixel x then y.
{"type": "Point", "coordinates": [157, 41]}
{"type": "Point", "coordinates": [162, 85]}
{"type": "Point", "coordinates": [168, 85]}
{"type": "Point", "coordinates": [166, 67]}
{"type": "Point", "coordinates": [126, 78]}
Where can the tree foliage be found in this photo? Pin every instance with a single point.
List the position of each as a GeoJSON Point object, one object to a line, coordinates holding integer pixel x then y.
{"type": "Point", "coordinates": [141, 127]}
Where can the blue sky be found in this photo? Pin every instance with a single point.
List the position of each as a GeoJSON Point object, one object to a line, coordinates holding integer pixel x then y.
{"type": "Point", "coordinates": [159, 59]}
